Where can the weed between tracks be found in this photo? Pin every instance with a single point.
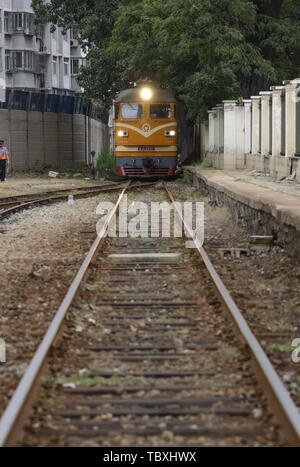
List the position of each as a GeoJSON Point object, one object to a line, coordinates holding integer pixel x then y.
{"type": "Point", "coordinates": [84, 380]}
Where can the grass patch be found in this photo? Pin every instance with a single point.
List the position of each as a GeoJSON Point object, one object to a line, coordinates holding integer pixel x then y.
{"type": "Point", "coordinates": [85, 380]}
{"type": "Point", "coordinates": [279, 325]}
{"type": "Point", "coordinates": [186, 178]}
{"type": "Point", "coordinates": [204, 164]}
{"type": "Point", "coordinates": [3, 380]}
{"type": "Point", "coordinates": [163, 319]}
{"type": "Point", "coordinates": [163, 249]}
{"type": "Point", "coordinates": [210, 382]}
{"type": "Point", "coordinates": [93, 287]}
{"type": "Point", "coordinates": [256, 310]}
{"type": "Point", "coordinates": [106, 163]}
{"type": "Point", "coordinates": [42, 394]}
{"type": "Point", "coordinates": [279, 347]}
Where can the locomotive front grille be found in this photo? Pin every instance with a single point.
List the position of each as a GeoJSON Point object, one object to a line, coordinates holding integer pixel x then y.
{"type": "Point", "coordinates": [139, 171]}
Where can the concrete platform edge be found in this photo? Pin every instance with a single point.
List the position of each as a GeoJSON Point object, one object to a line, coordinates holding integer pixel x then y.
{"type": "Point", "coordinates": [260, 216]}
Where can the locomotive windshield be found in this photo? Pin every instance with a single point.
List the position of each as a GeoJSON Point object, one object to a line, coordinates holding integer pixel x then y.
{"type": "Point", "coordinates": [160, 111]}
{"type": "Point", "coordinates": [133, 111]}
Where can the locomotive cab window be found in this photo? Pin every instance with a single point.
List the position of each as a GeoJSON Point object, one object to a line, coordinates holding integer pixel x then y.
{"type": "Point", "coordinates": [160, 111]}
{"type": "Point", "coordinates": [175, 111]}
{"type": "Point", "coordinates": [116, 111]}
{"type": "Point", "coordinates": [132, 111]}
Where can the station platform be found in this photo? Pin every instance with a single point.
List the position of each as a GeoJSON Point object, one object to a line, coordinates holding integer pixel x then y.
{"type": "Point", "coordinates": [266, 206]}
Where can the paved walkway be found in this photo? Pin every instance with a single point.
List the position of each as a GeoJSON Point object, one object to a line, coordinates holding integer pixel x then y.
{"type": "Point", "coordinates": [282, 200]}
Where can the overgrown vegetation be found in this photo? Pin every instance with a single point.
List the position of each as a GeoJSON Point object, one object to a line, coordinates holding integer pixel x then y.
{"type": "Point", "coordinates": [106, 163]}
{"type": "Point", "coordinates": [85, 380]}
{"type": "Point", "coordinates": [205, 164]}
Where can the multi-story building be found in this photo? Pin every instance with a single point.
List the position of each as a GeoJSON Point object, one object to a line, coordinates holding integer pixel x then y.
{"type": "Point", "coordinates": [31, 57]}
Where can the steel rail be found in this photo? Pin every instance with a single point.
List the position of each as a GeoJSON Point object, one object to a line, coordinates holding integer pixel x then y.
{"type": "Point", "coordinates": [14, 416]}
{"type": "Point", "coordinates": [56, 198]}
{"type": "Point", "coordinates": [278, 396]}
{"type": "Point", "coordinates": [52, 199]}
{"type": "Point", "coordinates": [30, 196]}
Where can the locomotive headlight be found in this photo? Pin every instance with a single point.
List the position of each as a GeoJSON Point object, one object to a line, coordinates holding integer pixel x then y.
{"type": "Point", "coordinates": [170, 132]}
{"type": "Point", "coordinates": [146, 93]}
{"type": "Point", "coordinates": [122, 133]}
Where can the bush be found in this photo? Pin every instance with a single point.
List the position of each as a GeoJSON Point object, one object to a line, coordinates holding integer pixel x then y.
{"type": "Point", "coordinates": [106, 163]}
{"type": "Point", "coordinates": [205, 164]}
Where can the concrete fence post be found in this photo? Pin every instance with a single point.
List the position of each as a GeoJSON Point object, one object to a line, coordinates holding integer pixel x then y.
{"type": "Point", "coordinates": [247, 126]}
{"type": "Point", "coordinates": [221, 128]}
{"type": "Point", "coordinates": [265, 122]}
{"type": "Point", "coordinates": [216, 120]}
{"type": "Point", "coordinates": [211, 131]}
{"type": "Point", "coordinates": [290, 116]}
{"type": "Point", "coordinates": [255, 124]}
{"type": "Point", "coordinates": [229, 134]}
{"type": "Point", "coordinates": [276, 119]}
{"type": "Point", "coordinates": [240, 136]}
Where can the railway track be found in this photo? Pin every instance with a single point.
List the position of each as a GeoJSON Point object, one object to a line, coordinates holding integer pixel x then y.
{"type": "Point", "coordinates": [139, 353]}
{"type": "Point", "coordinates": [11, 205]}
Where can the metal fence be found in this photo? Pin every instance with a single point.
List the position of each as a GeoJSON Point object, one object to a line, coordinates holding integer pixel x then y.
{"type": "Point", "coordinates": [47, 102]}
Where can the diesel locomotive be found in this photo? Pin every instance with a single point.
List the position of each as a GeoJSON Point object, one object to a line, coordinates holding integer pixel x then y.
{"type": "Point", "coordinates": [146, 131]}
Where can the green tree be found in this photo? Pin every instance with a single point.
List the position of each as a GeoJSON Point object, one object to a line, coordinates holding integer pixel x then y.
{"type": "Point", "coordinates": [203, 50]}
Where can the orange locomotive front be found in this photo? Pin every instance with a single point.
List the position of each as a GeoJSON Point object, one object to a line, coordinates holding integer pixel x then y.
{"type": "Point", "coordinates": [146, 132]}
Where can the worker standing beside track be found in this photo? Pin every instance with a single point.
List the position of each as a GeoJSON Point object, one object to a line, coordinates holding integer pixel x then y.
{"type": "Point", "coordinates": [4, 161]}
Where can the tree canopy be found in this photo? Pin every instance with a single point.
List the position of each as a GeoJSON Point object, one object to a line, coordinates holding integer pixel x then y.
{"type": "Point", "coordinates": [203, 50]}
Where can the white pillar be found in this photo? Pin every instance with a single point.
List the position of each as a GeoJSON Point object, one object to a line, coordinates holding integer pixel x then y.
{"type": "Point", "coordinates": [229, 134]}
{"type": "Point", "coordinates": [211, 130]}
{"type": "Point", "coordinates": [265, 122]}
{"type": "Point", "coordinates": [276, 120]}
{"type": "Point", "coordinates": [206, 136]}
{"type": "Point", "coordinates": [216, 129]}
{"type": "Point", "coordinates": [221, 128]}
{"type": "Point", "coordinates": [203, 148]}
{"type": "Point", "coordinates": [247, 125]}
{"type": "Point", "coordinates": [290, 117]}
{"type": "Point", "coordinates": [255, 124]}
{"type": "Point", "coordinates": [240, 133]}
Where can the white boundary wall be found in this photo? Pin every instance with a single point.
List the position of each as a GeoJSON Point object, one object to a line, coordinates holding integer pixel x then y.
{"type": "Point", "coordinates": [39, 139]}
{"type": "Point", "coordinates": [261, 133]}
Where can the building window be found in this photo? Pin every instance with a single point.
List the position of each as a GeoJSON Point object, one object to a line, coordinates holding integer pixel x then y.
{"type": "Point", "coordinates": [28, 61]}
{"type": "Point", "coordinates": [18, 22]}
{"type": "Point", "coordinates": [21, 60]}
{"type": "Point", "coordinates": [75, 66]}
{"type": "Point", "coordinates": [18, 17]}
{"type": "Point", "coordinates": [55, 65]}
{"type": "Point", "coordinates": [7, 22]}
{"type": "Point", "coordinates": [18, 62]}
{"type": "Point", "coordinates": [8, 63]}
{"type": "Point", "coordinates": [28, 23]}
{"type": "Point", "coordinates": [66, 66]}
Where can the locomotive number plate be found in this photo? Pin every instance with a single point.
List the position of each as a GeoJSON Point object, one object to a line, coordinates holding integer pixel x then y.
{"type": "Point", "coordinates": [146, 148]}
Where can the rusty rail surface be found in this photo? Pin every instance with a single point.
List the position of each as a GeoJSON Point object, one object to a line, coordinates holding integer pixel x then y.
{"type": "Point", "coordinates": [93, 191]}
{"type": "Point", "coordinates": [14, 417]}
{"type": "Point", "coordinates": [280, 401]}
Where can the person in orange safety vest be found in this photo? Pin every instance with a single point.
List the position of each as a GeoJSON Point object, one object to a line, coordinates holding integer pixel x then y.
{"type": "Point", "coordinates": [4, 160]}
